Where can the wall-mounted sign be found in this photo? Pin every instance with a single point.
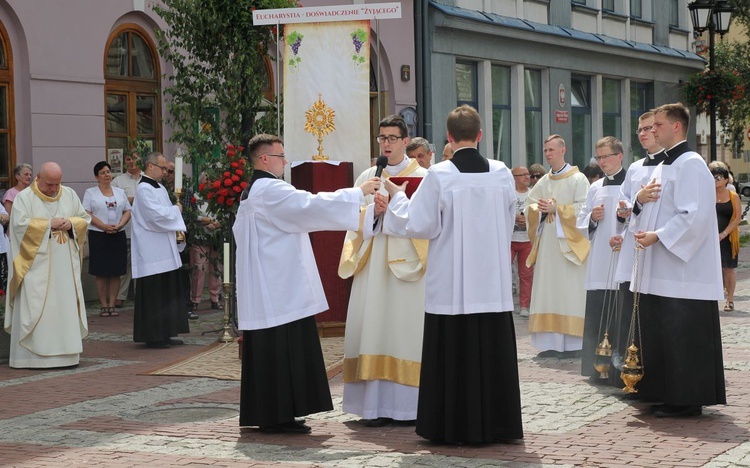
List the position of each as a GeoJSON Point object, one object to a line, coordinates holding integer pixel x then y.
{"type": "Point", "coordinates": [561, 117]}
{"type": "Point", "coordinates": [561, 98]}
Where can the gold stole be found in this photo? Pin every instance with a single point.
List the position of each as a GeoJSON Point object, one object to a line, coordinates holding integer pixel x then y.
{"type": "Point", "coordinates": [352, 261]}
{"type": "Point", "coordinates": [33, 238]}
{"type": "Point", "coordinates": [567, 214]}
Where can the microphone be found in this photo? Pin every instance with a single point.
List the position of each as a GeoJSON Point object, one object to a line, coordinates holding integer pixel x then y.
{"type": "Point", "coordinates": [381, 163]}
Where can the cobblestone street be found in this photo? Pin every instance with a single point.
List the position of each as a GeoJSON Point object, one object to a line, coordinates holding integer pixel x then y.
{"type": "Point", "coordinates": [108, 413]}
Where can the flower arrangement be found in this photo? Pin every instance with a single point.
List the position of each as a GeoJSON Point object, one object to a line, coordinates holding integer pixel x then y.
{"type": "Point", "coordinates": [723, 85]}
{"type": "Point", "coordinates": [224, 184]}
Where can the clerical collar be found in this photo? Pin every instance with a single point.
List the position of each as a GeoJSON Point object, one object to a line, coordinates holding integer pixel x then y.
{"type": "Point", "coordinates": [148, 180]}
{"type": "Point", "coordinates": [397, 168]}
{"type": "Point", "coordinates": [562, 169]}
{"type": "Point", "coordinates": [675, 152]}
{"type": "Point", "coordinates": [265, 175]}
{"type": "Point", "coordinates": [612, 177]}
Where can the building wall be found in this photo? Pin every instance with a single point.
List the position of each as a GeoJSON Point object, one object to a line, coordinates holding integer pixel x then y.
{"type": "Point", "coordinates": [59, 85]}
{"type": "Point", "coordinates": [458, 35]}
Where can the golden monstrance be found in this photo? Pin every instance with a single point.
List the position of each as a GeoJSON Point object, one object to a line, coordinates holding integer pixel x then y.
{"type": "Point", "coordinates": [319, 122]}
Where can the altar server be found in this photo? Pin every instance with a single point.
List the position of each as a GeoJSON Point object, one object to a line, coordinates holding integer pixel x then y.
{"type": "Point", "coordinates": [598, 218]}
{"type": "Point", "coordinates": [469, 389]}
{"type": "Point", "coordinates": [679, 276]}
{"type": "Point", "coordinates": [159, 294]}
{"type": "Point", "coordinates": [279, 289]}
{"type": "Point", "coordinates": [637, 176]}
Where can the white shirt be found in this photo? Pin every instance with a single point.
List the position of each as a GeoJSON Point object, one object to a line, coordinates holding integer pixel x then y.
{"type": "Point", "coordinates": [128, 183]}
{"type": "Point", "coordinates": [103, 207]}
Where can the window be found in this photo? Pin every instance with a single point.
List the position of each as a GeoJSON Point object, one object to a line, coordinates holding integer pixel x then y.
{"type": "Point", "coordinates": [501, 113]}
{"type": "Point", "coordinates": [580, 102]}
{"type": "Point", "coordinates": [132, 89]}
{"type": "Point", "coordinates": [7, 120]}
{"type": "Point", "coordinates": [466, 84]}
{"type": "Point", "coordinates": [674, 13]}
{"type": "Point", "coordinates": [611, 106]}
{"type": "Point", "coordinates": [636, 8]}
{"type": "Point", "coordinates": [533, 115]}
{"type": "Point", "coordinates": [641, 100]}
{"type": "Point", "coordinates": [608, 5]}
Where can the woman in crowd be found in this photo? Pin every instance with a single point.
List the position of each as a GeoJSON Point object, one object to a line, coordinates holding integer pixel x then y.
{"type": "Point", "coordinates": [110, 212]}
{"type": "Point", "coordinates": [728, 213]}
{"type": "Point", "coordinates": [23, 173]}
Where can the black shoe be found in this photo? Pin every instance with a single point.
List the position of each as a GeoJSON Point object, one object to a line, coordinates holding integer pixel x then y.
{"type": "Point", "coordinates": [175, 342]}
{"type": "Point", "coordinates": [405, 423]}
{"type": "Point", "coordinates": [293, 427]}
{"type": "Point", "coordinates": [550, 353]}
{"type": "Point", "coordinates": [217, 306]}
{"type": "Point", "coordinates": [675, 411]}
{"type": "Point", "coordinates": [192, 315]}
{"type": "Point", "coordinates": [158, 344]}
{"type": "Point", "coordinates": [378, 422]}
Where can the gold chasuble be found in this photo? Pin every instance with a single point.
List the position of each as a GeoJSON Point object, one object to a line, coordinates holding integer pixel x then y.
{"type": "Point", "coordinates": [385, 318]}
{"type": "Point", "coordinates": [559, 252]}
{"type": "Point", "coordinates": [45, 308]}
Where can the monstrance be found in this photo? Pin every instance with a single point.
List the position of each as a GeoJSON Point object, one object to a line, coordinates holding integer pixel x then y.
{"type": "Point", "coordinates": [319, 122]}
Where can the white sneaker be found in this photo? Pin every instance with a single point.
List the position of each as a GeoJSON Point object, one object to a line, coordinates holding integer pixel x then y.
{"type": "Point", "coordinates": [524, 312]}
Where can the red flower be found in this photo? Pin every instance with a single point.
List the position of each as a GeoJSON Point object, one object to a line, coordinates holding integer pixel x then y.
{"type": "Point", "coordinates": [227, 182]}
{"type": "Point", "coordinates": [234, 164]}
{"type": "Point", "coordinates": [227, 174]}
{"type": "Point", "coordinates": [230, 201]}
{"type": "Point", "coordinates": [210, 195]}
{"type": "Point", "coordinates": [236, 178]}
{"type": "Point", "coordinates": [243, 185]}
{"type": "Point", "coordinates": [220, 200]}
{"type": "Point", "coordinates": [201, 186]}
{"type": "Point", "coordinates": [238, 172]}
{"type": "Point", "coordinates": [217, 184]}
{"type": "Point", "coordinates": [193, 200]}
{"type": "Point", "coordinates": [237, 188]}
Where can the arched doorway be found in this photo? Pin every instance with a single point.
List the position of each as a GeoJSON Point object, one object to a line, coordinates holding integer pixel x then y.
{"type": "Point", "coordinates": [7, 116]}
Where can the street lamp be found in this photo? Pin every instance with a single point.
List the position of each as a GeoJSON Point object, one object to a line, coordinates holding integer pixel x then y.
{"type": "Point", "coordinates": [713, 16]}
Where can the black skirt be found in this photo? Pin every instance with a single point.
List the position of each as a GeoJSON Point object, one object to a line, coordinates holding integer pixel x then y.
{"type": "Point", "coordinates": [283, 374]}
{"type": "Point", "coordinates": [469, 388]}
{"type": "Point", "coordinates": [160, 311]}
{"type": "Point", "coordinates": [682, 357]}
{"type": "Point", "coordinates": [727, 261]}
{"type": "Point", "coordinates": [108, 253]}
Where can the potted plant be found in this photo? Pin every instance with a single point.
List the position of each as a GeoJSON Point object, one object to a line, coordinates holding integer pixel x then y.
{"type": "Point", "coordinates": [723, 85]}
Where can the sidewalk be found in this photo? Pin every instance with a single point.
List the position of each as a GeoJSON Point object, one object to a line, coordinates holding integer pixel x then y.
{"type": "Point", "coordinates": [105, 413]}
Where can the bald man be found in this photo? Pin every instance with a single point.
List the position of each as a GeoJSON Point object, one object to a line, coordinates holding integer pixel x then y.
{"type": "Point", "coordinates": [46, 312]}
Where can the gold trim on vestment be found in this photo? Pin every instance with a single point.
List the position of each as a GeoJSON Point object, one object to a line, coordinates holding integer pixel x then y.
{"type": "Point", "coordinates": [381, 367]}
{"type": "Point", "coordinates": [578, 243]}
{"type": "Point", "coordinates": [350, 264]}
{"type": "Point", "coordinates": [32, 240]}
{"type": "Point", "coordinates": [556, 323]}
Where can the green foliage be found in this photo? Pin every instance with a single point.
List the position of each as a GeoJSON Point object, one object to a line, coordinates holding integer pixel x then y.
{"type": "Point", "coordinates": [218, 60]}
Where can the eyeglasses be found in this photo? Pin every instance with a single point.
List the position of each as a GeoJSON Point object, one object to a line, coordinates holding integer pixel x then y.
{"type": "Point", "coordinates": [536, 176]}
{"type": "Point", "coordinates": [170, 171]}
{"type": "Point", "coordinates": [605, 156]}
{"type": "Point", "coordinates": [278, 155]}
{"type": "Point", "coordinates": [163, 168]}
{"type": "Point", "coordinates": [644, 129]}
{"type": "Point", "coordinates": [521, 175]}
{"type": "Point", "coordinates": [718, 177]}
{"type": "Point", "coordinates": [389, 138]}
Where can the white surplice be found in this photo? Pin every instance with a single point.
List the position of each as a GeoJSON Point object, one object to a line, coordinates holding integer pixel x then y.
{"type": "Point", "coordinates": [45, 309]}
{"type": "Point", "coordinates": [601, 262]}
{"type": "Point", "coordinates": [458, 281]}
{"type": "Point", "coordinates": [155, 223]}
{"type": "Point", "coordinates": [385, 316]}
{"type": "Point", "coordinates": [277, 277]}
{"type": "Point", "coordinates": [685, 263]}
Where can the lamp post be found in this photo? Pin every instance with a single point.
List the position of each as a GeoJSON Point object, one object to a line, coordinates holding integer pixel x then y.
{"type": "Point", "coordinates": [713, 16]}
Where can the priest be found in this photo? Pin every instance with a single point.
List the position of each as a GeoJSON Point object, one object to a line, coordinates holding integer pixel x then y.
{"type": "Point", "coordinates": [599, 219]}
{"type": "Point", "coordinates": [45, 310]}
{"type": "Point", "coordinates": [469, 389]}
{"type": "Point", "coordinates": [559, 251]}
{"type": "Point", "coordinates": [385, 319]}
{"type": "Point", "coordinates": [679, 276]}
{"type": "Point", "coordinates": [159, 294]}
{"type": "Point", "coordinates": [279, 290]}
